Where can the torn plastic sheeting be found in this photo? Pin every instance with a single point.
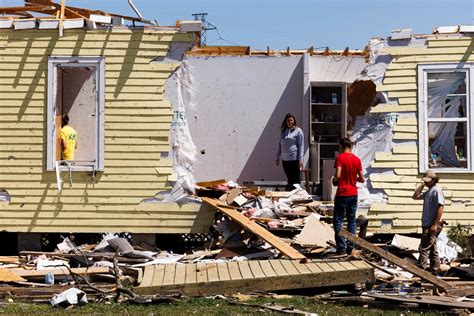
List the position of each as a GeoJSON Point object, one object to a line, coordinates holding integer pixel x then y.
{"type": "Point", "coordinates": [230, 230]}
{"type": "Point", "coordinates": [447, 250]}
{"type": "Point", "coordinates": [378, 62]}
{"type": "Point", "coordinates": [183, 147]}
{"type": "Point", "coordinates": [65, 246]}
{"type": "Point", "coordinates": [104, 246]}
{"type": "Point", "coordinates": [45, 264]}
{"type": "Point", "coordinates": [440, 106]}
{"type": "Point", "coordinates": [372, 133]}
{"type": "Point", "coordinates": [122, 245]}
{"type": "Point", "coordinates": [258, 213]}
{"type": "Point", "coordinates": [69, 297]}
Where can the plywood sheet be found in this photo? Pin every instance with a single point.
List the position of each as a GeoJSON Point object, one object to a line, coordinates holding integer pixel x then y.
{"type": "Point", "coordinates": [10, 276]}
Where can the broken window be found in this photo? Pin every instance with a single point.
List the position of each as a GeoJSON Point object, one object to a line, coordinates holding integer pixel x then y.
{"type": "Point", "coordinates": [76, 88]}
{"type": "Point", "coordinates": [445, 118]}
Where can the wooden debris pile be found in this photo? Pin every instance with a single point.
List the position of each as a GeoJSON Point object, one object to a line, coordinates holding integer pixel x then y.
{"type": "Point", "coordinates": [292, 216]}
{"type": "Point", "coordinates": [264, 241]}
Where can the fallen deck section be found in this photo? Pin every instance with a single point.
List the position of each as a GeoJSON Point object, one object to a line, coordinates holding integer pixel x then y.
{"type": "Point", "coordinates": [204, 279]}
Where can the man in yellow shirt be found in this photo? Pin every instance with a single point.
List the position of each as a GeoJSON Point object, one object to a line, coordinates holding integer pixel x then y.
{"type": "Point", "coordinates": [68, 139]}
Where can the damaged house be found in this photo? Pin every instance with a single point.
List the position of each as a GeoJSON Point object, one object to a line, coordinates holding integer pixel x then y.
{"type": "Point", "coordinates": [426, 84]}
{"type": "Point", "coordinates": [405, 101]}
{"type": "Point", "coordinates": [110, 79]}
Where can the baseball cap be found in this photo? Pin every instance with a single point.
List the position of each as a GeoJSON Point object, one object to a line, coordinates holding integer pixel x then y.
{"type": "Point", "coordinates": [428, 176]}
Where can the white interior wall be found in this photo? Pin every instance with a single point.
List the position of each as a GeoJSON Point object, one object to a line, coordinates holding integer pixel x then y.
{"type": "Point", "coordinates": [239, 105]}
{"type": "Point", "coordinates": [336, 68]}
{"type": "Point", "coordinates": [79, 100]}
{"type": "Point", "coordinates": [235, 105]}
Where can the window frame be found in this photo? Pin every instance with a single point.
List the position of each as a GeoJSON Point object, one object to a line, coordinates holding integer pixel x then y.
{"type": "Point", "coordinates": [423, 141]}
{"type": "Point", "coordinates": [79, 61]}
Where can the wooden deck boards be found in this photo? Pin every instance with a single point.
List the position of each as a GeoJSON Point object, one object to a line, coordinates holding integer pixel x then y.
{"type": "Point", "coordinates": [250, 276]}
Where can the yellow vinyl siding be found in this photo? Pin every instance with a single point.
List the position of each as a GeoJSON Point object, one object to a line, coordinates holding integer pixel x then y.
{"type": "Point", "coordinates": [137, 127]}
{"type": "Point", "coordinates": [400, 213]}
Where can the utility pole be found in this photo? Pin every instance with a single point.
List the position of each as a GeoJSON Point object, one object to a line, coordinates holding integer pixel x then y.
{"type": "Point", "coordinates": [206, 26]}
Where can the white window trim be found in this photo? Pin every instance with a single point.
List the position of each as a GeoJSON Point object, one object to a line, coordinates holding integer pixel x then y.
{"type": "Point", "coordinates": [53, 63]}
{"type": "Point", "coordinates": [423, 71]}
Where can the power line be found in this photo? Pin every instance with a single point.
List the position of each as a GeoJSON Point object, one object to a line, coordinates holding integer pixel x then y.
{"type": "Point", "coordinates": [208, 26]}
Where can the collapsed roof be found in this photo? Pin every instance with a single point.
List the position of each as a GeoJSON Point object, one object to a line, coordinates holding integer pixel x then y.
{"type": "Point", "coordinates": [46, 14]}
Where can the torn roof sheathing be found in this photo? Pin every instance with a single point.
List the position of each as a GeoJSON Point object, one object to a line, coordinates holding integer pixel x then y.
{"type": "Point", "coordinates": [59, 12]}
{"type": "Point", "coordinates": [247, 51]}
{"type": "Point", "coordinates": [457, 29]}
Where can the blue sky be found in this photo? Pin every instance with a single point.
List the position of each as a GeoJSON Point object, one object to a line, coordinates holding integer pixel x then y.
{"type": "Point", "coordinates": [298, 24]}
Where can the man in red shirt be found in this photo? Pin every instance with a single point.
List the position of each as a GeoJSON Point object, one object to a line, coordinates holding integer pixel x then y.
{"type": "Point", "coordinates": [348, 173]}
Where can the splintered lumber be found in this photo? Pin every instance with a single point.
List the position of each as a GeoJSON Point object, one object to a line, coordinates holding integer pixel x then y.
{"type": "Point", "coordinates": [425, 275]}
{"type": "Point", "coordinates": [461, 291]}
{"type": "Point", "coordinates": [9, 259]}
{"type": "Point", "coordinates": [60, 271]}
{"type": "Point", "coordinates": [211, 183]}
{"type": "Point", "coordinates": [256, 229]}
{"type": "Point", "coordinates": [9, 276]}
{"type": "Point", "coordinates": [426, 300]}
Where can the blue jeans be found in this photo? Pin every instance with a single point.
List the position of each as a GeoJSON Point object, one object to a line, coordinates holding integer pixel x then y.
{"type": "Point", "coordinates": [344, 206]}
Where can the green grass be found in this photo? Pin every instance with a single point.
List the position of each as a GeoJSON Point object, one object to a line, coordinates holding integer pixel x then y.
{"type": "Point", "coordinates": [205, 306]}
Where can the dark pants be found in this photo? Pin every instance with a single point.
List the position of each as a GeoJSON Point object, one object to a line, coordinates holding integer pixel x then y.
{"type": "Point", "coordinates": [292, 171]}
{"type": "Point", "coordinates": [344, 206]}
{"type": "Point", "coordinates": [428, 248]}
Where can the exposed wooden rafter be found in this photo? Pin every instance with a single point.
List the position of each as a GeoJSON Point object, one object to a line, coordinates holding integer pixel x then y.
{"type": "Point", "coordinates": [60, 11]}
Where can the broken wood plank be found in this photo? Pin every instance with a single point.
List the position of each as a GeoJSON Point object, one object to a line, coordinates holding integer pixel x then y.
{"type": "Point", "coordinates": [60, 271]}
{"type": "Point", "coordinates": [425, 275]}
{"type": "Point", "coordinates": [256, 229]}
{"type": "Point", "coordinates": [211, 183]}
{"type": "Point", "coordinates": [9, 259]}
{"type": "Point", "coordinates": [428, 300]}
{"type": "Point", "coordinates": [10, 276]}
{"type": "Point", "coordinates": [232, 195]}
{"type": "Point", "coordinates": [461, 291]}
